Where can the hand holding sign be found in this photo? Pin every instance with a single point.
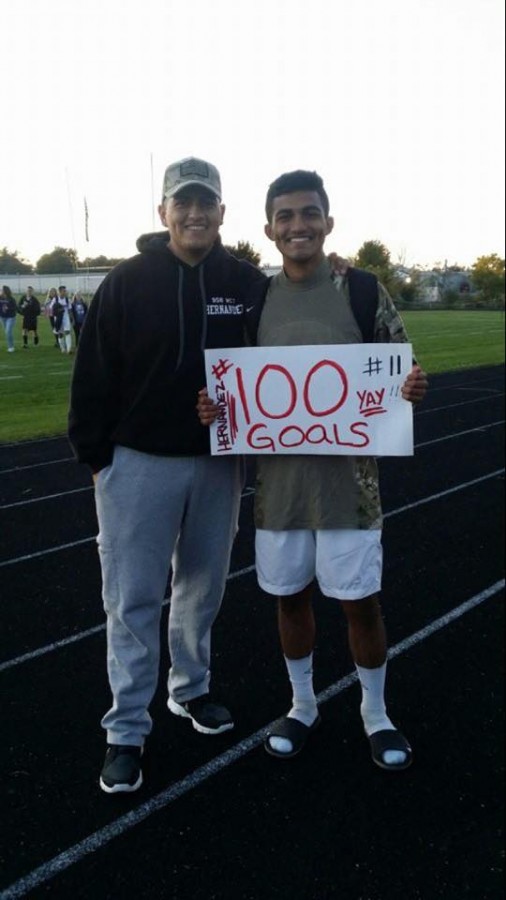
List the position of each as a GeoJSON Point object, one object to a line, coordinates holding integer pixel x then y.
{"type": "Point", "coordinates": [344, 399]}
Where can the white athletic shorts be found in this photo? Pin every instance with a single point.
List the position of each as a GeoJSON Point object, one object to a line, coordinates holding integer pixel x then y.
{"type": "Point", "coordinates": [347, 563]}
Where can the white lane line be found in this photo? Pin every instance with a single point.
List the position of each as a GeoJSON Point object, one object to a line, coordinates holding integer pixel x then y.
{"type": "Point", "coordinates": [11, 562]}
{"type": "Point", "coordinates": [88, 540]}
{"type": "Point", "coordinates": [248, 491]}
{"type": "Point", "coordinates": [81, 635]}
{"type": "Point", "coordinates": [47, 497]}
{"type": "Point", "coordinates": [48, 648]}
{"type": "Point", "coordinates": [450, 437]}
{"type": "Point", "coordinates": [425, 412]}
{"type": "Point", "coordinates": [474, 389]}
{"type": "Point", "coordinates": [453, 490]}
{"type": "Point", "coordinates": [245, 493]}
{"type": "Point", "coordinates": [73, 639]}
{"type": "Point", "coordinates": [59, 437]}
{"type": "Point", "coordinates": [51, 462]}
{"type": "Point", "coordinates": [125, 823]}
{"type": "Point", "coordinates": [462, 386]}
{"type": "Point", "coordinates": [39, 440]}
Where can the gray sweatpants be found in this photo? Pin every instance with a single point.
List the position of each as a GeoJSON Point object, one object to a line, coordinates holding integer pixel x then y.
{"type": "Point", "coordinates": [154, 510]}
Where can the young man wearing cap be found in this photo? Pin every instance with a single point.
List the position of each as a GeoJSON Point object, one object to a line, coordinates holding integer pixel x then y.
{"type": "Point", "coordinates": [160, 496]}
{"type": "Point", "coordinates": [319, 517]}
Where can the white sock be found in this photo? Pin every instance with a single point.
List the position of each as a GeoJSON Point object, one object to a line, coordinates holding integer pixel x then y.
{"type": "Point", "coordinates": [304, 707]}
{"type": "Point", "coordinates": [373, 709]}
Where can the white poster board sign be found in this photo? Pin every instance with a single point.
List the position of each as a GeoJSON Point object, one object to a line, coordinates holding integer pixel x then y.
{"type": "Point", "coordinates": [323, 399]}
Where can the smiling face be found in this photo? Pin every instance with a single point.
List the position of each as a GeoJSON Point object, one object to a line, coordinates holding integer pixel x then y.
{"type": "Point", "coordinates": [193, 217]}
{"type": "Point", "coordinates": [298, 226]}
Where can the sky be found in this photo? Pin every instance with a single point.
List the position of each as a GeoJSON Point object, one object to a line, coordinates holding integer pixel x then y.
{"type": "Point", "coordinates": [397, 104]}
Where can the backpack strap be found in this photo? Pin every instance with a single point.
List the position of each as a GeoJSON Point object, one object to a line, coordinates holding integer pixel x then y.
{"type": "Point", "coordinates": [363, 288]}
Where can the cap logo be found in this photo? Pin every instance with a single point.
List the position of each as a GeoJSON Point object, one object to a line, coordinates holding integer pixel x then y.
{"type": "Point", "coordinates": [194, 167]}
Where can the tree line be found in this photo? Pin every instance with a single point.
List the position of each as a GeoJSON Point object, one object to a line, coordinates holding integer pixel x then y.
{"type": "Point", "coordinates": [486, 274]}
{"type": "Point", "coordinates": [63, 259]}
{"type": "Point", "coordinates": [486, 277]}
{"type": "Point", "coordinates": [58, 261]}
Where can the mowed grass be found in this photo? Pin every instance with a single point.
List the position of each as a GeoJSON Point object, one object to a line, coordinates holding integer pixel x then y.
{"type": "Point", "coordinates": [444, 340]}
{"type": "Point", "coordinates": [34, 386]}
{"type": "Point", "coordinates": [34, 383]}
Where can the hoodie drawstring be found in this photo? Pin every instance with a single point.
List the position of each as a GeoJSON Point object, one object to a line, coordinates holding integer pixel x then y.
{"type": "Point", "coordinates": [204, 308]}
{"type": "Point", "coordinates": [180, 308]}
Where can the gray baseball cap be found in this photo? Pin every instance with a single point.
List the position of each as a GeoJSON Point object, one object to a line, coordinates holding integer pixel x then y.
{"type": "Point", "coordinates": [191, 171]}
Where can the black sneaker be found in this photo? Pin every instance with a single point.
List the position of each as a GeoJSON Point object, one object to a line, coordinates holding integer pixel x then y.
{"type": "Point", "coordinates": [121, 770]}
{"type": "Point", "coordinates": [207, 717]}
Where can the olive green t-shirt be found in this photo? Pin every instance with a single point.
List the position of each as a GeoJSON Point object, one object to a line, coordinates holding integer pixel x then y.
{"type": "Point", "coordinates": [313, 492]}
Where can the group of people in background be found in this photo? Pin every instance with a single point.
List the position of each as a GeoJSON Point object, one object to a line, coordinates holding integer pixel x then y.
{"type": "Point", "coordinates": [65, 314]}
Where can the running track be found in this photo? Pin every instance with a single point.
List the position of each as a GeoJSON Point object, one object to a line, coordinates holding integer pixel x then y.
{"type": "Point", "coordinates": [218, 818]}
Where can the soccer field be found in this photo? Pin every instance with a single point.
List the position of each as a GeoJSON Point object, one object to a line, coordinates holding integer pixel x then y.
{"type": "Point", "coordinates": [34, 383]}
{"type": "Point", "coordinates": [444, 340]}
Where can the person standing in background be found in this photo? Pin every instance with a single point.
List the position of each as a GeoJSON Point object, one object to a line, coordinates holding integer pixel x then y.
{"type": "Point", "coordinates": [61, 309]}
{"type": "Point", "coordinates": [8, 315]}
{"type": "Point", "coordinates": [78, 310]}
{"type": "Point", "coordinates": [50, 301]}
{"type": "Point", "coordinates": [29, 308]}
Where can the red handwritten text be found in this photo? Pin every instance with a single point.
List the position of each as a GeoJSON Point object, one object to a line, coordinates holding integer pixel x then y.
{"type": "Point", "coordinates": [294, 436]}
{"type": "Point", "coordinates": [370, 402]}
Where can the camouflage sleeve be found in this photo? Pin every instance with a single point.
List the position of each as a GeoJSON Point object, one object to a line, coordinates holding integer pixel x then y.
{"type": "Point", "coordinates": [388, 325]}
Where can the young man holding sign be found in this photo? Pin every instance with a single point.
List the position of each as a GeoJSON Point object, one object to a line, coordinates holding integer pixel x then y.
{"type": "Point", "coordinates": [319, 516]}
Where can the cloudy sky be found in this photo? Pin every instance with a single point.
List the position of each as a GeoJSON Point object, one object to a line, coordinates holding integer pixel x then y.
{"type": "Point", "coordinates": [398, 104]}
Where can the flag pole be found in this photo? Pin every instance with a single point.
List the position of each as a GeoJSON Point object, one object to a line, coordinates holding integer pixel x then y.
{"type": "Point", "coordinates": [152, 193]}
{"type": "Point", "coordinates": [86, 233]}
{"type": "Point", "coordinates": [71, 215]}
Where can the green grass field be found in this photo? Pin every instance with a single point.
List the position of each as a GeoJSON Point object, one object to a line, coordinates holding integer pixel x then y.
{"type": "Point", "coordinates": [444, 340]}
{"type": "Point", "coordinates": [34, 383]}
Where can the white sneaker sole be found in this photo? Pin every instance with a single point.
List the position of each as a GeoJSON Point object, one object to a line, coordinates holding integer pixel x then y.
{"type": "Point", "coordinates": [178, 710]}
{"type": "Point", "coordinates": [121, 788]}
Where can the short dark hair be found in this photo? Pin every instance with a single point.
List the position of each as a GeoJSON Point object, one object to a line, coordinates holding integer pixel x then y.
{"type": "Point", "coordinates": [300, 180]}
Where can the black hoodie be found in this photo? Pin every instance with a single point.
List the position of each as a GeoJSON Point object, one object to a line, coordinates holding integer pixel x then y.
{"type": "Point", "coordinates": [140, 361]}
